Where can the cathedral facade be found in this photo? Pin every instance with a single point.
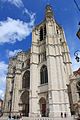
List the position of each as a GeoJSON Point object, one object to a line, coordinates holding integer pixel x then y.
{"type": "Point", "coordinates": [37, 80]}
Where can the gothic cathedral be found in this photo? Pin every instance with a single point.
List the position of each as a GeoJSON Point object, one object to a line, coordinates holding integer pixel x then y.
{"type": "Point", "coordinates": [37, 80]}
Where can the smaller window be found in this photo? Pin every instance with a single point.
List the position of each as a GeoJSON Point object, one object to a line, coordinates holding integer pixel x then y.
{"type": "Point", "coordinates": [79, 94]}
{"type": "Point", "coordinates": [14, 68]}
{"type": "Point", "coordinates": [41, 34]}
{"type": "Point", "coordinates": [44, 75]}
{"type": "Point", "coordinates": [57, 32]}
{"type": "Point", "coordinates": [60, 40]}
{"type": "Point", "coordinates": [28, 62]}
{"type": "Point", "coordinates": [39, 58]}
{"type": "Point", "coordinates": [44, 31]}
{"type": "Point", "coordinates": [22, 65]}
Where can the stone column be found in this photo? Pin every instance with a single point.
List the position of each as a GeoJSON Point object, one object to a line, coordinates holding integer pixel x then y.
{"type": "Point", "coordinates": [7, 94]}
{"type": "Point", "coordinates": [66, 55]}
{"type": "Point", "coordinates": [58, 98]}
{"type": "Point", "coordinates": [34, 77]}
{"type": "Point", "coordinates": [16, 97]}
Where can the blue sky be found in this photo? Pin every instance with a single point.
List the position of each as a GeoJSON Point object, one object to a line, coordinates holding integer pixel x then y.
{"type": "Point", "coordinates": [17, 19]}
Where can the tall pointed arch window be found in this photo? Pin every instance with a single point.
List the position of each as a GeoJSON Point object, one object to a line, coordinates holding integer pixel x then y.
{"type": "Point", "coordinates": [42, 32]}
{"type": "Point", "coordinates": [26, 80]}
{"type": "Point", "coordinates": [43, 75]}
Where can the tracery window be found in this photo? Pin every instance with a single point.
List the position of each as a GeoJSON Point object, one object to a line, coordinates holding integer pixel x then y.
{"type": "Point", "coordinates": [43, 75]}
{"type": "Point", "coordinates": [26, 80]}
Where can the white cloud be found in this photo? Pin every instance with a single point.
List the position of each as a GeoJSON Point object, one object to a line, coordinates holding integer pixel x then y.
{"type": "Point", "coordinates": [3, 71]}
{"type": "Point", "coordinates": [1, 94]}
{"type": "Point", "coordinates": [15, 30]}
{"type": "Point", "coordinates": [13, 53]}
{"type": "Point", "coordinates": [17, 3]}
{"type": "Point", "coordinates": [31, 15]}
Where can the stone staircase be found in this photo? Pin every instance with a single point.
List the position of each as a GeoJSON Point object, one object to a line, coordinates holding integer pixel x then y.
{"type": "Point", "coordinates": [39, 118]}
{"type": "Point", "coordinates": [46, 118]}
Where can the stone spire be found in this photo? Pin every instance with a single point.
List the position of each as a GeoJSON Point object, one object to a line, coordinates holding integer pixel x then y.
{"type": "Point", "coordinates": [49, 12]}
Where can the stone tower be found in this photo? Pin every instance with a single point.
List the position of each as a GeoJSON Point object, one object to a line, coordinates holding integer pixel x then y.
{"type": "Point", "coordinates": [49, 48]}
{"type": "Point", "coordinates": [37, 80]}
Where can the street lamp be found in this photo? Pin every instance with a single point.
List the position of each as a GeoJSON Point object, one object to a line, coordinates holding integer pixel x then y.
{"type": "Point", "coordinates": [76, 55]}
{"type": "Point", "coordinates": [78, 33]}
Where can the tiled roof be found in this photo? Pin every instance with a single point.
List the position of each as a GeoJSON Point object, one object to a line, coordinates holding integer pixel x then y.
{"type": "Point", "coordinates": [77, 72]}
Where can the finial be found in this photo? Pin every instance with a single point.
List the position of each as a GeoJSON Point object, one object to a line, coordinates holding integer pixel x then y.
{"type": "Point", "coordinates": [49, 12]}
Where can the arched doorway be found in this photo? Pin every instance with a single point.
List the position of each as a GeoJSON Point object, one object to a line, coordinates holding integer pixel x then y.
{"type": "Point", "coordinates": [25, 103]}
{"type": "Point", "coordinates": [42, 103]}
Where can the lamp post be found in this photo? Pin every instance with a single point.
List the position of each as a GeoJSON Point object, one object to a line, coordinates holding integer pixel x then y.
{"type": "Point", "coordinates": [78, 8]}
{"type": "Point", "coordinates": [76, 54]}
{"type": "Point", "coordinates": [78, 33]}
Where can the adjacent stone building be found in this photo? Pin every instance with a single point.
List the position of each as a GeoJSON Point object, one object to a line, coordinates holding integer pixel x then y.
{"type": "Point", "coordinates": [37, 80]}
{"type": "Point", "coordinates": [1, 104]}
{"type": "Point", "coordinates": [74, 92]}
{"type": "Point", "coordinates": [1, 107]}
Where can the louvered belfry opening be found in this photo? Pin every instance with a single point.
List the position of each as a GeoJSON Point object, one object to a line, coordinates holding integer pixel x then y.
{"type": "Point", "coordinates": [42, 32]}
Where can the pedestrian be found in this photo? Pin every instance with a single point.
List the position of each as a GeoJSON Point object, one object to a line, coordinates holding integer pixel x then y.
{"type": "Point", "coordinates": [9, 117]}
{"type": "Point", "coordinates": [65, 115]}
{"type": "Point", "coordinates": [61, 114]}
{"type": "Point", "coordinates": [21, 116]}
